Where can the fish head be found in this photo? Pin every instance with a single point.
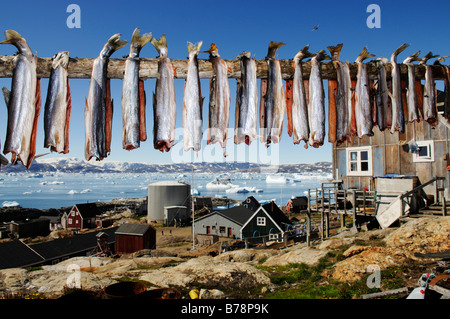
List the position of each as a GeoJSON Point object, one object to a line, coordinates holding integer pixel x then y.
{"type": "Point", "coordinates": [213, 51]}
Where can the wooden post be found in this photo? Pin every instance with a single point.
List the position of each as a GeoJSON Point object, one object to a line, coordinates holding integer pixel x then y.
{"type": "Point", "coordinates": [322, 211]}
{"type": "Point", "coordinates": [308, 219]}
{"type": "Point", "coordinates": [354, 209]}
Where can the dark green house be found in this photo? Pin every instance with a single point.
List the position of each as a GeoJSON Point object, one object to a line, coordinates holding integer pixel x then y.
{"type": "Point", "coordinates": [268, 220]}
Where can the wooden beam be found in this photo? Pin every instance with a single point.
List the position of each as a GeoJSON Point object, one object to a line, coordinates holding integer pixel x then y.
{"type": "Point", "coordinates": [80, 68]}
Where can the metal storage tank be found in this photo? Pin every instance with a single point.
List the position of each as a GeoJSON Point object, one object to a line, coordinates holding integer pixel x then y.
{"type": "Point", "coordinates": [164, 194]}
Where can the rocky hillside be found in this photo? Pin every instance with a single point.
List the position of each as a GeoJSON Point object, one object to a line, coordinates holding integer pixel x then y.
{"type": "Point", "coordinates": [250, 273]}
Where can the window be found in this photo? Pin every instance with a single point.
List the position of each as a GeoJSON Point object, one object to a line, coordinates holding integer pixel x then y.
{"type": "Point", "coordinates": [273, 236]}
{"type": "Point", "coordinates": [425, 152]}
{"type": "Point", "coordinates": [222, 229]}
{"type": "Point", "coordinates": [261, 221]}
{"type": "Point", "coordinates": [359, 161]}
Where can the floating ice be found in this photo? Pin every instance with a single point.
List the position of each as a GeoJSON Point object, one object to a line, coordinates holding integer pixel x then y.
{"type": "Point", "coordinates": [12, 203]}
{"type": "Point", "coordinates": [84, 191]}
{"type": "Point", "coordinates": [72, 192]}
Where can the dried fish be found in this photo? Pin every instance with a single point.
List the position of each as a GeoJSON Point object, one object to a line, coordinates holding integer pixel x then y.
{"type": "Point", "coordinates": [133, 95]}
{"type": "Point", "coordinates": [382, 96]}
{"type": "Point", "coordinates": [23, 102]}
{"type": "Point", "coordinates": [429, 97]}
{"type": "Point", "coordinates": [300, 126]}
{"type": "Point", "coordinates": [411, 96]}
{"type": "Point", "coordinates": [247, 101]}
{"type": "Point", "coordinates": [316, 103]}
{"type": "Point", "coordinates": [219, 99]}
{"type": "Point", "coordinates": [398, 117]}
{"type": "Point", "coordinates": [99, 106]}
{"type": "Point", "coordinates": [193, 102]}
{"type": "Point", "coordinates": [363, 111]}
{"type": "Point", "coordinates": [274, 100]}
{"type": "Point", "coordinates": [58, 106]}
{"type": "Point", "coordinates": [164, 103]}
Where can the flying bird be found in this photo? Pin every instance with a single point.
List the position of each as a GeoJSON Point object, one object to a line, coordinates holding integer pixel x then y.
{"type": "Point", "coordinates": [315, 28]}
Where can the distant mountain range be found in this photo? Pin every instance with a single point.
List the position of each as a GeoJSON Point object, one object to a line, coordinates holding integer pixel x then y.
{"type": "Point", "coordinates": [74, 165]}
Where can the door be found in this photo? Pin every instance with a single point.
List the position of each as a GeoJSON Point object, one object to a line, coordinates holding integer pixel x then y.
{"type": "Point", "coordinates": [230, 232]}
{"type": "Point", "coordinates": [208, 229]}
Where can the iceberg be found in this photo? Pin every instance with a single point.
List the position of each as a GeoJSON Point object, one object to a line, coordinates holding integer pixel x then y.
{"type": "Point", "coordinates": [220, 184]}
{"type": "Point", "coordinates": [276, 179]}
{"type": "Point", "coordinates": [10, 204]}
{"type": "Point", "coordinates": [71, 192]}
{"type": "Point", "coordinates": [243, 190]}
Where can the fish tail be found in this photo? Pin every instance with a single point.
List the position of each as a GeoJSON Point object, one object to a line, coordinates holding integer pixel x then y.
{"type": "Point", "coordinates": [245, 54]}
{"type": "Point", "coordinates": [62, 59]}
{"type": "Point", "coordinates": [138, 40]}
{"type": "Point", "coordinates": [335, 52]}
{"type": "Point", "coordinates": [364, 55]}
{"type": "Point", "coordinates": [112, 45]}
{"type": "Point", "coordinates": [399, 50]}
{"type": "Point", "coordinates": [303, 54]}
{"type": "Point", "coordinates": [412, 57]}
{"type": "Point", "coordinates": [319, 56]}
{"type": "Point", "coordinates": [194, 48]}
{"type": "Point", "coordinates": [160, 45]}
{"type": "Point", "coordinates": [14, 38]}
{"type": "Point", "coordinates": [273, 47]}
{"type": "Point", "coordinates": [428, 56]}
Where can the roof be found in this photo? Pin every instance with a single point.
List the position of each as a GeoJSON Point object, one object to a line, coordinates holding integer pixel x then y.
{"type": "Point", "coordinates": [168, 183]}
{"type": "Point", "coordinates": [88, 209]}
{"type": "Point", "coordinates": [277, 215]}
{"type": "Point", "coordinates": [237, 214]}
{"type": "Point", "coordinates": [133, 229]}
{"type": "Point", "coordinates": [71, 245]}
{"type": "Point", "coordinates": [17, 254]}
{"type": "Point", "coordinates": [299, 200]}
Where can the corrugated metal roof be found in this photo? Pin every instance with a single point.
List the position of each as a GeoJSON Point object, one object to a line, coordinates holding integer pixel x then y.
{"type": "Point", "coordinates": [133, 229]}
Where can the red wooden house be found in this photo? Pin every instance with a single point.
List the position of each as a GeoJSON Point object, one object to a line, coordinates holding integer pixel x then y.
{"type": "Point", "coordinates": [134, 237]}
{"type": "Point", "coordinates": [82, 216]}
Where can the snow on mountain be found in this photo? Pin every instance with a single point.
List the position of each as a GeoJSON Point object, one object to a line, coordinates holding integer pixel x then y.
{"type": "Point", "coordinates": [75, 165]}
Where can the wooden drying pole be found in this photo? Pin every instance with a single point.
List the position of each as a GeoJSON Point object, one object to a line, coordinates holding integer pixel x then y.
{"type": "Point", "coordinates": [81, 68]}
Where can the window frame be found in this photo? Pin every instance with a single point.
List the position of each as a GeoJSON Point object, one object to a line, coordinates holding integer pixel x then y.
{"type": "Point", "coordinates": [260, 221]}
{"type": "Point", "coordinates": [424, 159]}
{"type": "Point", "coordinates": [369, 161]}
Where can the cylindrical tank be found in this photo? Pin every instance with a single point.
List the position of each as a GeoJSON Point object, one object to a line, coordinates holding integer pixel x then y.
{"type": "Point", "coordinates": [166, 193]}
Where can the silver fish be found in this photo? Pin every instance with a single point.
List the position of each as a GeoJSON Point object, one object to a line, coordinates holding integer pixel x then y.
{"type": "Point", "coordinates": [398, 117]}
{"type": "Point", "coordinates": [58, 106]}
{"type": "Point", "coordinates": [300, 126]}
{"type": "Point", "coordinates": [23, 102]}
{"type": "Point", "coordinates": [192, 102]}
{"type": "Point", "coordinates": [316, 103]}
{"type": "Point", "coordinates": [219, 99]}
{"type": "Point", "coordinates": [99, 106]}
{"type": "Point", "coordinates": [342, 95]}
{"type": "Point", "coordinates": [164, 103]}
{"type": "Point", "coordinates": [411, 96]}
{"type": "Point", "coordinates": [133, 95]}
{"type": "Point", "coordinates": [247, 101]}
{"type": "Point", "coordinates": [429, 97]}
{"type": "Point", "coordinates": [274, 101]}
{"type": "Point", "coordinates": [382, 95]}
{"type": "Point", "coordinates": [363, 111]}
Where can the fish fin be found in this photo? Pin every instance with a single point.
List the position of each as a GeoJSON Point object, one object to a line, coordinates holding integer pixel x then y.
{"type": "Point", "coordinates": [364, 55]}
{"type": "Point", "coordinates": [160, 45]}
{"type": "Point", "coordinates": [6, 95]}
{"type": "Point", "coordinates": [303, 54]}
{"type": "Point", "coordinates": [194, 48]}
{"type": "Point", "coordinates": [399, 50]}
{"type": "Point", "coordinates": [138, 40]}
{"type": "Point", "coordinates": [335, 52]}
{"type": "Point", "coordinates": [273, 47]}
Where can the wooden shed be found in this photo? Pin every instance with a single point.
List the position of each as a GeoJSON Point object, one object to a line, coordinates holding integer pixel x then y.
{"type": "Point", "coordinates": [421, 153]}
{"type": "Point", "coordinates": [81, 216]}
{"type": "Point", "coordinates": [134, 237]}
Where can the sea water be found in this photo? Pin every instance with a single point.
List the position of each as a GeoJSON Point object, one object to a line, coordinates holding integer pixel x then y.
{"type": "Point", "coordinates": [56, 190]}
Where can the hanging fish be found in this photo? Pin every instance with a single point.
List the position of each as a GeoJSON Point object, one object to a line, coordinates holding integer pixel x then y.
{"type": "Point", "coordinates": [342, 96]}
{"type": "Point", "coordinates": [247, 101]}
{"type": "Point", "coordinates": [363, 111]}
{"type": "Point", "coordinates": [219, 99]}
{"type": "Point", "coordinates": [398, 117]}
{"type": "Point", "coordinates": [429, 96]}
{"type": "Point", "coordinates": [316, 103]}
{"type": "Point", "coordinates": [411, 96]}
{"type": "Point", "coordinates": [446, 73]}
{"type": "Point", "coordinates": [133, 95]}
{"type": "Point", "coordinates": [274, 100]}
{"type": "Point", "coordinates": [192, 102]}
{"type": "Point", "coordinates": [300, 126]}
{"type": "Point", "coordinates": [384, 111]}
{"type": "Point", "coordinates": [164, 103]}
{"type": "Point", "coordinates": [58, 106]}
{"type": "Point", "coordinates": [23, 102]}
{"type": "Point", "coordinates": [99, 106]}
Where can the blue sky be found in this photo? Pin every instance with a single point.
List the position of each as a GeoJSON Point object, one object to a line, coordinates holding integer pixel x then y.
{"type": "Point", "coordinates": [234, 26]}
